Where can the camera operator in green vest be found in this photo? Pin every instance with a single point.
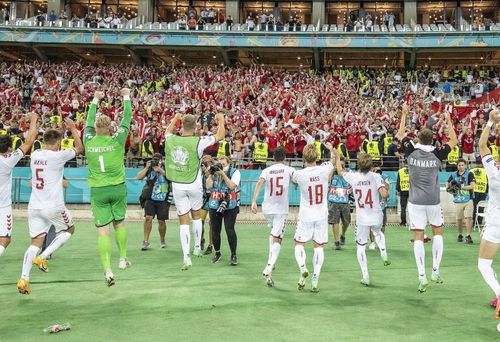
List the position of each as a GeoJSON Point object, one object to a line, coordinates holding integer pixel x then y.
{"type": "Point", "coordinates": [182, 163]}
{"type": "Point", "coordinates": [38, 144]}
{"type": "Point", "coordinates": [147, 148]}
{"type": "Point", "coordinates": [480, 188]}
{"type": "Point", "coordinates": [67, 144]}
{"type": "Point", "coordinates": [224, 205]}
{"type": "Point", "coordinates": [461, 185]}
{"type": "Point", "coordinates": [260, 153]}
{"type": "Point", "coordinates": [224, 148]}
{"type": "Point", "coordinates": [451, 161]}
{"type": "Point", "coordinates": [403, 191]}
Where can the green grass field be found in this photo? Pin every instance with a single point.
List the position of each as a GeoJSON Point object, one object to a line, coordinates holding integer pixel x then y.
{"type": "Point", "coordinates": [154, 300]}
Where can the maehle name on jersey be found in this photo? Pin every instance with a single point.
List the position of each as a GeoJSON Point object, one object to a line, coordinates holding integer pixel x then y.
{"type": "Point", "coordinates": [39, 162]}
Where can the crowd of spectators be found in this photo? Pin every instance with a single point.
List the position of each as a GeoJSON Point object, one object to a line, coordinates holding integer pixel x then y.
{"type": "Point", "coordinates": [280, 107]}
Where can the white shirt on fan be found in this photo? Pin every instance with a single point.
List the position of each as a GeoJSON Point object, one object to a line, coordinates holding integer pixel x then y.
{"type": "Point", "coordinates": [365, 188]}
{"type": "Point", "coordinates": [277, 184]}
{"type": "Point", "coordinates": [7, 164]}
{"type": "Point", "coordinates": [313, 182]}
{"type": "Point", "coordinates": [47, 168]}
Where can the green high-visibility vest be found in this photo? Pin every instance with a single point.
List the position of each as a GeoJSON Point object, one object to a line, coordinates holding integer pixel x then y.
{"type": "Point", "coordinates": [182, 162]}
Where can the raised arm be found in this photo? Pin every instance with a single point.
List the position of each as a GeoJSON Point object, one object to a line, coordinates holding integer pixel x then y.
{"type": "Point", "coordinates": [338, 165]}
{"type": "Point", "coordinates": [127, 109]}
{"type": "Point", "coordinates": [451, 131]}
{"type": "Point", "coordinates": [402, 123]}
{"type": "Point", "coordinates": [89, 131]}
{"type": "Point", "coordinates": [32, 133]}
{"type": "Point", "coordinates": [483, 140]}
{"type": "Point", "coordinates": [221, 127]}
{"type": "Point", "coordinates": [70, 125]}
{"type": "Point", "coordinates": [171, 126]}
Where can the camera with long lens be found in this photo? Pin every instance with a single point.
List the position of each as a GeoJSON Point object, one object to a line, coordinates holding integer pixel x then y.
{"type": "Point", "coordinates": [214, 168]}
{"type": "Point", "coordinates": [223, 205]}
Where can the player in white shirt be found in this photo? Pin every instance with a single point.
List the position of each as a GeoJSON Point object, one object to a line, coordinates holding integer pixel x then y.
{"type": "Point", "coordinates": [189, 197]}
{"type": "Point", "coordinates": [46, 207]}
{"type": "Point", "coordinates": [8, 160]}
{"type": "Point", "coordinates": [275, 205]}
{"type": "Point", "coordinates": [366, 187]}
{"type": "Point", "coordinates": [490, 240]}
{"type": "Point", "coordinates": [312, 223]}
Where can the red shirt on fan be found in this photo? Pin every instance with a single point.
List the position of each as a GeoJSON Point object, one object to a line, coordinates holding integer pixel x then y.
{"type": "Point", "coordinates": [300, 143]}
{"type": "Point", "coordinates": [467, 142]}
{"type": "Point", "coordinates": [353, 142]}
{"type": "Point", "coordinates": [272, 143]}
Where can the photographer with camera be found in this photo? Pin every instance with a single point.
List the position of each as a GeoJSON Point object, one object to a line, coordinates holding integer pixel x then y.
{"type": "Point", "coordinates": [206, 163]}
{"type": "Point", "coordinates": [223, 182]}
{"type": "Point", "coordinates": [461, 184]}
{"type": "Point", "coordinates": [155, 198]}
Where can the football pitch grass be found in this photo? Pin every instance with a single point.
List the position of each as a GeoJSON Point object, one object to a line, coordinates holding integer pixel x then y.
{"type": "Point", "coordinates": [154, 300]}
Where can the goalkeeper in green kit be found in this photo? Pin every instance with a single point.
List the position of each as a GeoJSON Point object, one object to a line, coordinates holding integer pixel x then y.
{"type": "Point", "coordinates": [104, 150]}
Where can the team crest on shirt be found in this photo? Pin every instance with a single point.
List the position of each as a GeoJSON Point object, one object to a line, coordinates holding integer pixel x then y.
{"type": "Point", "coordinates": [180, 155]}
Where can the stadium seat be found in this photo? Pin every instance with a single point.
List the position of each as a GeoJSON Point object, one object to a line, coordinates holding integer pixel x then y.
{"type": "Point", "coordinates": [407, 28]}
{"type": "Point", "coordinates": [376, 28]}
{"type": "Point", "coordinates": [340, 27]}
{"type": "Point", "coordinates": [399, 28]}
{"type": "Point", "coordinates": [333, 28]}
{"type": "Point", "coordinates": [383, 28]}
{"type": "Point", "coordinates": [434, 27]}
{"type": "Point", "coordinates": [426, 27]}
{"type": "Point", "coordinates": [325, 28]}
{"type": "Point", "coordinates": [449, 27]}
{"type": "Point", "coordinates": [441, 27]}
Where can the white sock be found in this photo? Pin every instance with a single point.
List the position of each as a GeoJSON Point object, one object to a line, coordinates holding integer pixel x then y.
{"type": "Point", "coordinates": [271, 242]}
{"type": "Point", "coordinates": [319, 257]}
{"type": "Point", "coordinates": [300, 256]}
{"type": "Point", "coordinates": [30, 254]}
{"type": "Point", "coordinates": [197, 228]}
{"type": "Point", "coordinates": [380, 241]}
{"type": "Point", "coordinates": [275, 252]}
{"type": "Point", "coordinates": [419, 251]}
{"type": "Point", "coordinates": [437, 252]}
{"type": "Point", "coordinates": [489, 274]}
{"type": "Point", "coordinates": [2, 249]}
{"type": "Point", "coordinates": [55, 244]}
{"type": "Point", "coordinates": [185, 239]}
{"type": "Point", "coordinates": [361, 251]}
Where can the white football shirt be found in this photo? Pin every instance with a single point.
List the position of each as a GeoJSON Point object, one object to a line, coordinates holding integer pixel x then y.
{"type": "Point", "coordinates": [277, 179]}
{"type": "Point", "coordinates": [7, 164]}
{"type": "Point", "coordinates": [493, 173]}
{"type": "Point", "coordinates": [313, 182]}
{"type": "Point", "coordinates": [47, 168]}
{"type": "Point", "coordinates": [365, 188]}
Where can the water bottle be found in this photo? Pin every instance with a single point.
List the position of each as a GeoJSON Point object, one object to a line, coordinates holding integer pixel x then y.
{"type": "Point", "coordinates": [54, 329]}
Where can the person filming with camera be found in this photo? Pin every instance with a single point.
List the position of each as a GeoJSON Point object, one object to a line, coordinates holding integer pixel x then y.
{"type": "Point", "coordinates": [223, 182]}
{"type": "Point", "coordinates": [155, 198]}
{"type": "Point", "coordinates": [461, 184]}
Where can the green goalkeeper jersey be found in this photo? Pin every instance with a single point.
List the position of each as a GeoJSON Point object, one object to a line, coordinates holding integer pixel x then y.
{"type": "Point", "coordinates": [105, 152]}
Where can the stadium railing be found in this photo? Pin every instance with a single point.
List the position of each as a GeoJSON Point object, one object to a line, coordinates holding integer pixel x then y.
{"type": "Point", "coordinates": [139, 23]}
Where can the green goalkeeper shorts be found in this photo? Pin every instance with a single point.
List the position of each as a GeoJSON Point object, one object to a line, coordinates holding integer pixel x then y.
{"type": "Point", "coordinates": [108, 203]}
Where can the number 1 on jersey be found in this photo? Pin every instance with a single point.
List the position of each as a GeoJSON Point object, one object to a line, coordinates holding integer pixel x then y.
{"type": "Point", "coordinates": [101, 162]}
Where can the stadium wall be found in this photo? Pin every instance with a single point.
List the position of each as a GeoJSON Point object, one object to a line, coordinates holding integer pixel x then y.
{"type": "Point", "coordinates": [79, 193]}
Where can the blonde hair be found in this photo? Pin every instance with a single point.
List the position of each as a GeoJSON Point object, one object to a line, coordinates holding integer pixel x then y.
{"type": "Point", "coordinates": [188, 122]}
{"type": "Point", "coordinates": [310, 154]}
{"type": "Point", "coordinates": [365, 162]}
{"type": "Point", "coordinates": [103, 122]}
